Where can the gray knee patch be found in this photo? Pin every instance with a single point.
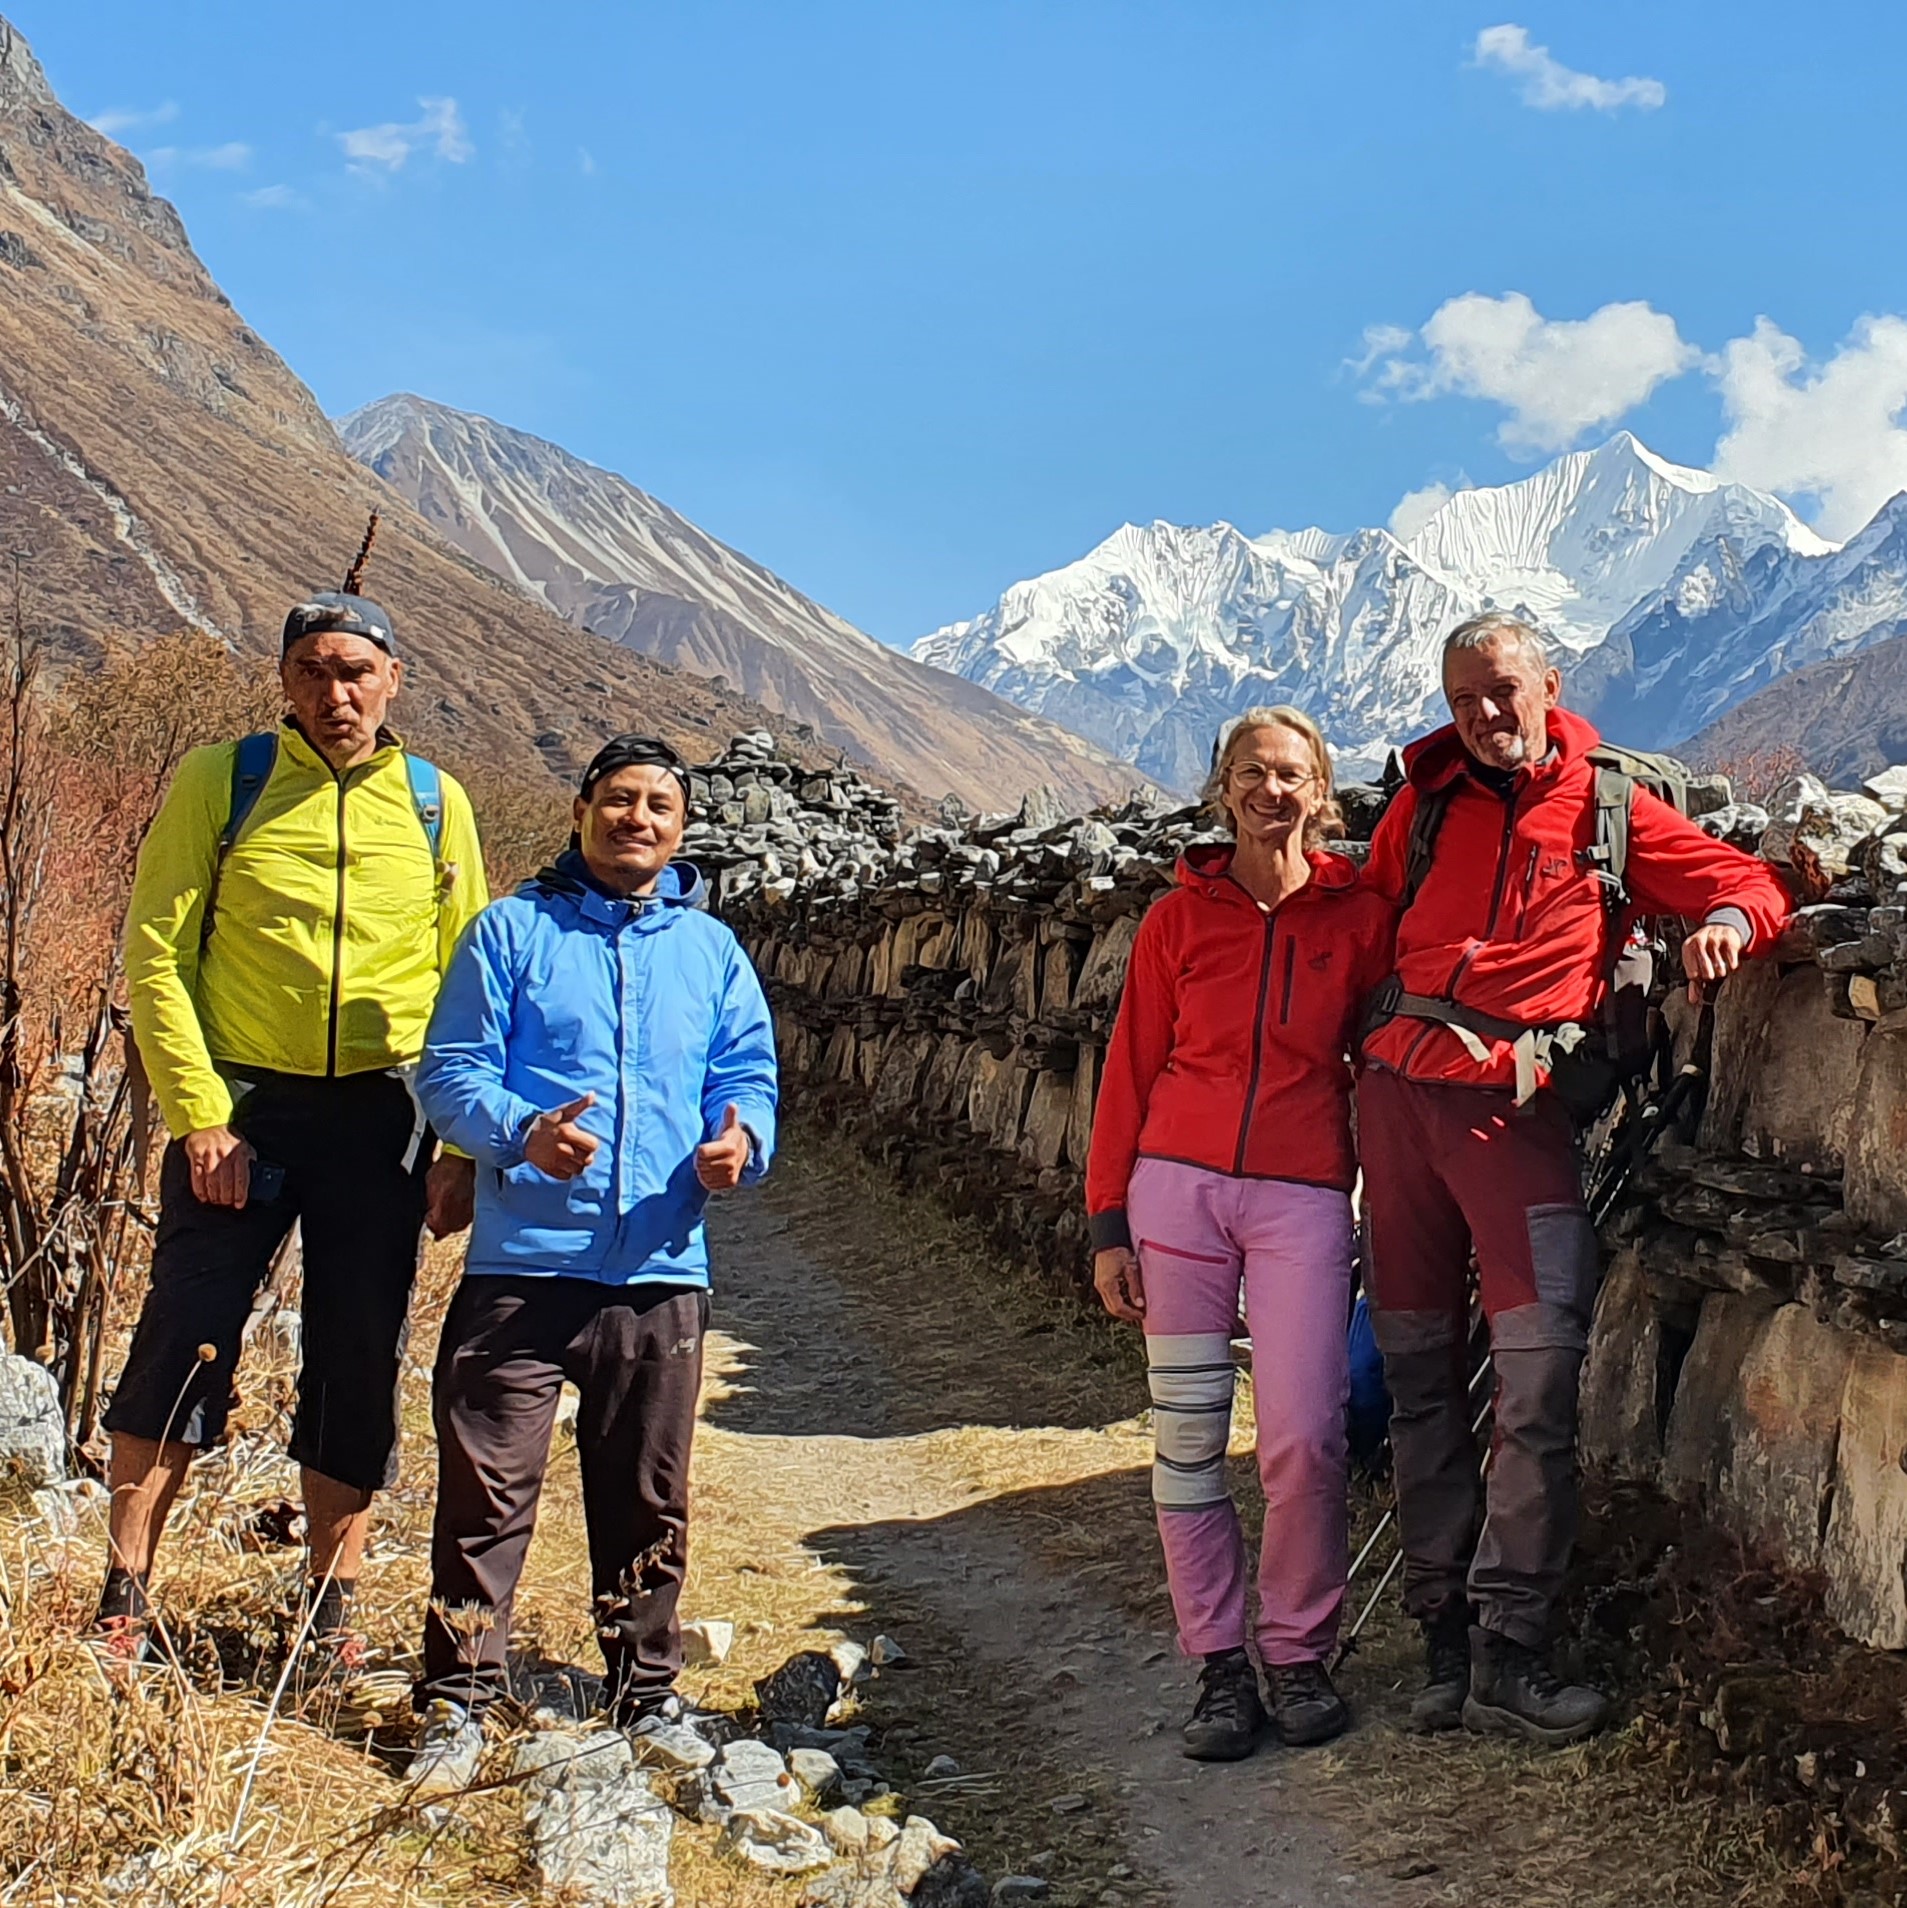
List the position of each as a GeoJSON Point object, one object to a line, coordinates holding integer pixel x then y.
{"type": "Point", "coordinates": [1191, 1376]}
{"type": "Point", "coordinates": [1563, 1257]}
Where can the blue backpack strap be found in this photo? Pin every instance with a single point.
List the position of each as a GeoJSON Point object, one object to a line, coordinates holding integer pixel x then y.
{"type": "Point", "coordinates": [427, 797]}
{"type": "Point", "coordinates": [253, 759]}
{"type": "Point", "coordinates": [252, 764]}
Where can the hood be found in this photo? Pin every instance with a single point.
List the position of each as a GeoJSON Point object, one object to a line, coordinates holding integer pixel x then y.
{"type": "Point", "coordinates": [1207, 868]}
{"type": "Point", "coordinates": [680, 885]}
{"type": "Point", "coordinates": [1440, 757]}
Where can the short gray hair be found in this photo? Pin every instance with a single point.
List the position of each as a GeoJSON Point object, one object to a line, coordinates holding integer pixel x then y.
{"type": "Point", "coordinates": [1497, 626]}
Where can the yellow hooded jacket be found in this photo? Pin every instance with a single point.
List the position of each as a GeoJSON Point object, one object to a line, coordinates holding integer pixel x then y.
{"type": "Point", "coordinates": [332, 929]}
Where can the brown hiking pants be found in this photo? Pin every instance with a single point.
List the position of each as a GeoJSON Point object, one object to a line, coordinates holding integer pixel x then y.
{"type": "Point", "coordinates": [634, 1352]}
{"type": "Point", "coordinates": [1446, 1169]}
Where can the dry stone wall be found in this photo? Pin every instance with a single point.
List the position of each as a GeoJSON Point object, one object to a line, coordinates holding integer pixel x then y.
{"type": "Point", "coordinates": [946, 996]}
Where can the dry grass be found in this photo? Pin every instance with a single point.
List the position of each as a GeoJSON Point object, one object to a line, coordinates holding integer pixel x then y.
{"type": "Point", "coordinates": [945, 1395]}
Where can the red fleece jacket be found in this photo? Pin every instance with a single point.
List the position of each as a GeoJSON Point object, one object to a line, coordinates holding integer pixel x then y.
{"type": "Point", "coordinates": [1232, 1046]}
{"type": "Point", "coordinates": [1510, 921]}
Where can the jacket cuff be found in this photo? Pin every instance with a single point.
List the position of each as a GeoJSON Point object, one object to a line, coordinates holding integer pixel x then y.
{"type": "Point", "coordinates": [1732, 918]}
{"type": "Point", "coordinates": [1108, 1229]}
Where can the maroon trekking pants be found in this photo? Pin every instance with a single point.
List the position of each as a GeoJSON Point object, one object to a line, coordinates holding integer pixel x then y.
{"type": "Point", "coordinates": [634, 1353]}
{"type": "Point", "coordinates": [1448, 1169]}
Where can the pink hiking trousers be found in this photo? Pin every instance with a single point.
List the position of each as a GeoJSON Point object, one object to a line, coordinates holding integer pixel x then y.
{"type": "Point", "coordinates": [1199, 1236]}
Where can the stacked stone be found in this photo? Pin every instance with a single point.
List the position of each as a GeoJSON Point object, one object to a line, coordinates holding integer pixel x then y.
{"type": "Point", "coordinates": [764, 825]}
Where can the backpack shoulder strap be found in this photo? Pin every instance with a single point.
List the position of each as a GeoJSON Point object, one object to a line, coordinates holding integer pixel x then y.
{"type": "Point", "coordinates": [1615, 797]}
{"type": "Point", "coordinates": [427, 798]}
{"type": "Point", "coordinates": [1426, 821]}
{"type": "Point", "coordinates": [252, 763]}
{"type": "Point", "coordinates": [253, 759]}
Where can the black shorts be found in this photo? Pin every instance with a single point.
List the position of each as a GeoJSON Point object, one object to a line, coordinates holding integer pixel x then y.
{"type": "Point", "coordinates": [343, 1145]}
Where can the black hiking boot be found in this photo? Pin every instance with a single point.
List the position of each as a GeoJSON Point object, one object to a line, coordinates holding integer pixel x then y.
{"type": "Point", "coordinates": [1228, 1716]}
{"type": "Point", "coordinates": [1439, 1704]}
{"type": "Point", "coordinates": [1514, 1692]}
{"type": "Point", "coordinates": [1305, 1705]}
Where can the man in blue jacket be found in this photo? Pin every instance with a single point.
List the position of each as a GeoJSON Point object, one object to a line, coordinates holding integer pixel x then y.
{"type": "Point", "coordinates": [602, 1048]}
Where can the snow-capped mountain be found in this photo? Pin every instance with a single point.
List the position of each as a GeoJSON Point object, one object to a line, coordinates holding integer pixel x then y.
{"type": "Point", "coordinates": [622, 564]}
{"type": "Point", "coordinates": [1152, 639]}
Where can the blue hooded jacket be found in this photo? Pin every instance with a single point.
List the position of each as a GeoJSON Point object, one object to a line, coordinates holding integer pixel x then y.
{"type": "Point", "coordinates": [651, 1005]}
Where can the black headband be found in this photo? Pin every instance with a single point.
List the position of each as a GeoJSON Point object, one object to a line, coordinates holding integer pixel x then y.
{"type": "Point", "coordinates": [634, 751]}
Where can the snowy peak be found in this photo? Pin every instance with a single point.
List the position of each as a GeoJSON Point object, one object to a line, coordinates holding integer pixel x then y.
{"type": "Point", "coordinates": [1582, 540]}
{"type": "Point", "coordinates": [1149, 640]}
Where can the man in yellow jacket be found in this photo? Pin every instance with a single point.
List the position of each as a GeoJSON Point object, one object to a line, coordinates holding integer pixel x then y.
{"type": "Point", "coordinates": [297, 901]}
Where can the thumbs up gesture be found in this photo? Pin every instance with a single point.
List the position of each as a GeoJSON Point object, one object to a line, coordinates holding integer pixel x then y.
{"type": "Point", "coordinates": [556, 1144]}
{"type": "Point", "coordinates": [720, 1162]}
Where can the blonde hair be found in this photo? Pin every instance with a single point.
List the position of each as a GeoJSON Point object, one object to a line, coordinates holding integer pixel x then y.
{"type": "Point", "coordinates": [1326, 821]}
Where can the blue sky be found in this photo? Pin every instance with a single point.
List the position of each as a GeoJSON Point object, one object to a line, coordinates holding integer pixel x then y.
{"type": "Point", "coordinates": [909, 300]}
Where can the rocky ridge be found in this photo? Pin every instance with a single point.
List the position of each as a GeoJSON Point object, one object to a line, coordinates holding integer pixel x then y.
{"type": "Point", "coordinates": [620, 563]}
{"type": "Point", "coordinates": [161, 467]}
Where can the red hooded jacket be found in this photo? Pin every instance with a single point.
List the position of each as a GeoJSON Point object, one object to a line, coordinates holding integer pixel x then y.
{"type": "Point", "coordinates": [1510, 922]}
{"type": "Point", "coordinates": [1232, 1046]}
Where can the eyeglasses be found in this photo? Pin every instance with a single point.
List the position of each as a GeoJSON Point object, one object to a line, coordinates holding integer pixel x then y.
{"type": "Point", "coordinates": [1250, 775]}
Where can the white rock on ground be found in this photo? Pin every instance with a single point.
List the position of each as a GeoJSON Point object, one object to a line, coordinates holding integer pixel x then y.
{"type": "Point", "coordinates": [749, 1775]}
{"type": "Point", "coordinates": [706, 1643]}
{"type": "Point", "coordinates": [887, 1654]}
{"type": "Point", "coordinates": [815, 1770]}
{"type": "Point", "coordinates": [599, 1835]}
{"type": "Point", "coordinates": [850, 1659]}
{"type": "Point", "coordinates": [773, 1840]}
{"type": "Point", "coordinates": [32, 1426]}
{"type": "Point", "coordinates": [675, 1749]}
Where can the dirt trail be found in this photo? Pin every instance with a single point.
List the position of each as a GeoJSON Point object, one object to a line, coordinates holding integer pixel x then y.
{"type": "Point", "coordinates": [905, 1437]}
{"type": "Point", "coordinates": [848, 1464]}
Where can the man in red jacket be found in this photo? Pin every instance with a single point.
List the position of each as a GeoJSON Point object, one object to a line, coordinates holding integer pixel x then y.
{"type": "Point", "coordinates": [1502, 948]}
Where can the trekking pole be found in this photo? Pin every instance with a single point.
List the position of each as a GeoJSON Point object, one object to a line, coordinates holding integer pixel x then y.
{"type": "Point", "coordinates": [1654, 1118]}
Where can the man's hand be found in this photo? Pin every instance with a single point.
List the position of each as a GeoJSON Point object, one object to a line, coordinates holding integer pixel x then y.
{"type": "Point", "coordinates": [1709, 954]}
{"type": "Point", "coordinates": [720, 1162]}
{"type": "Point", "coordinates": [221, 1166]}
{"type": "Point", "coordinates": [450, 1195]}
{"type": "Point", "coordinates": [1116, 1279]}
{"type": "Point", "coordinates": [556, 1145]}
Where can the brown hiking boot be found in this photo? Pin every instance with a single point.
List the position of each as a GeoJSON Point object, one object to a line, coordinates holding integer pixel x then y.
{"type": "Point", "coordinates": [1229, 1715]}
{"type": "Point", "coordinates": [1305, 1704]}
{"type": "Point", "coordinates": [1514, 1692]}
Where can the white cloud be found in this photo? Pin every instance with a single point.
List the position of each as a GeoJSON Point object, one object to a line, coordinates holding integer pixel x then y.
{"type": "Point", "coordinates": [1829, 431]}
{"type": "Point", "coordinates": [1550, 86]}
{"type": "Point", "coordinates": [273, 198]}
{"type": "Point", "coordinates": [585, 162]}
{"type": "Point", "coordinates": [1380, 341]}
{"type": "Point", "coordinates": [440, 128]}
{"type": "Point", "coordinates": [233, 156]}
{"type": "Point", "coordinates": [125, 119]}
{"type": "Point", "coordinates": [1557, 378]}
{"type": "Point", "coordinates": [1416, 508]}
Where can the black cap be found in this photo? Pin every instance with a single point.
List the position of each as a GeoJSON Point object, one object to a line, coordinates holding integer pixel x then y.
{"type": "Point", "coordinates": [634, 751]}
{"type": "Point", "coordinates": [331, 612]}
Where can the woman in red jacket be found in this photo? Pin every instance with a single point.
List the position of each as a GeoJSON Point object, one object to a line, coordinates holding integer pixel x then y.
{"type": "Point", "coordinates": [1222, 1158]}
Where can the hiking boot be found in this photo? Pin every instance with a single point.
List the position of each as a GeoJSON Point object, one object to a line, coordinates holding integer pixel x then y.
{"type": "Point", "coordinates": [1229, 1714]}
{"type": "Point", "coordinates": [1439, 1704]}
{"type": "Point", "coordinates": [1305, 1705]}
{"type": "Point", "coordinates": [1514, 1692]}
{"type": "Point", "coordinates": [449, 1750]}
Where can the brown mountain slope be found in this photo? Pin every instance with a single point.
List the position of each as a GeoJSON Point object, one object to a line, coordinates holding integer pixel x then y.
{"type": "Point", "coordinates": [160, 465]}
{"type": "Point", "coordinates": [1845, 717]}
{"type": "Point", "coordinates": [615, 560]}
